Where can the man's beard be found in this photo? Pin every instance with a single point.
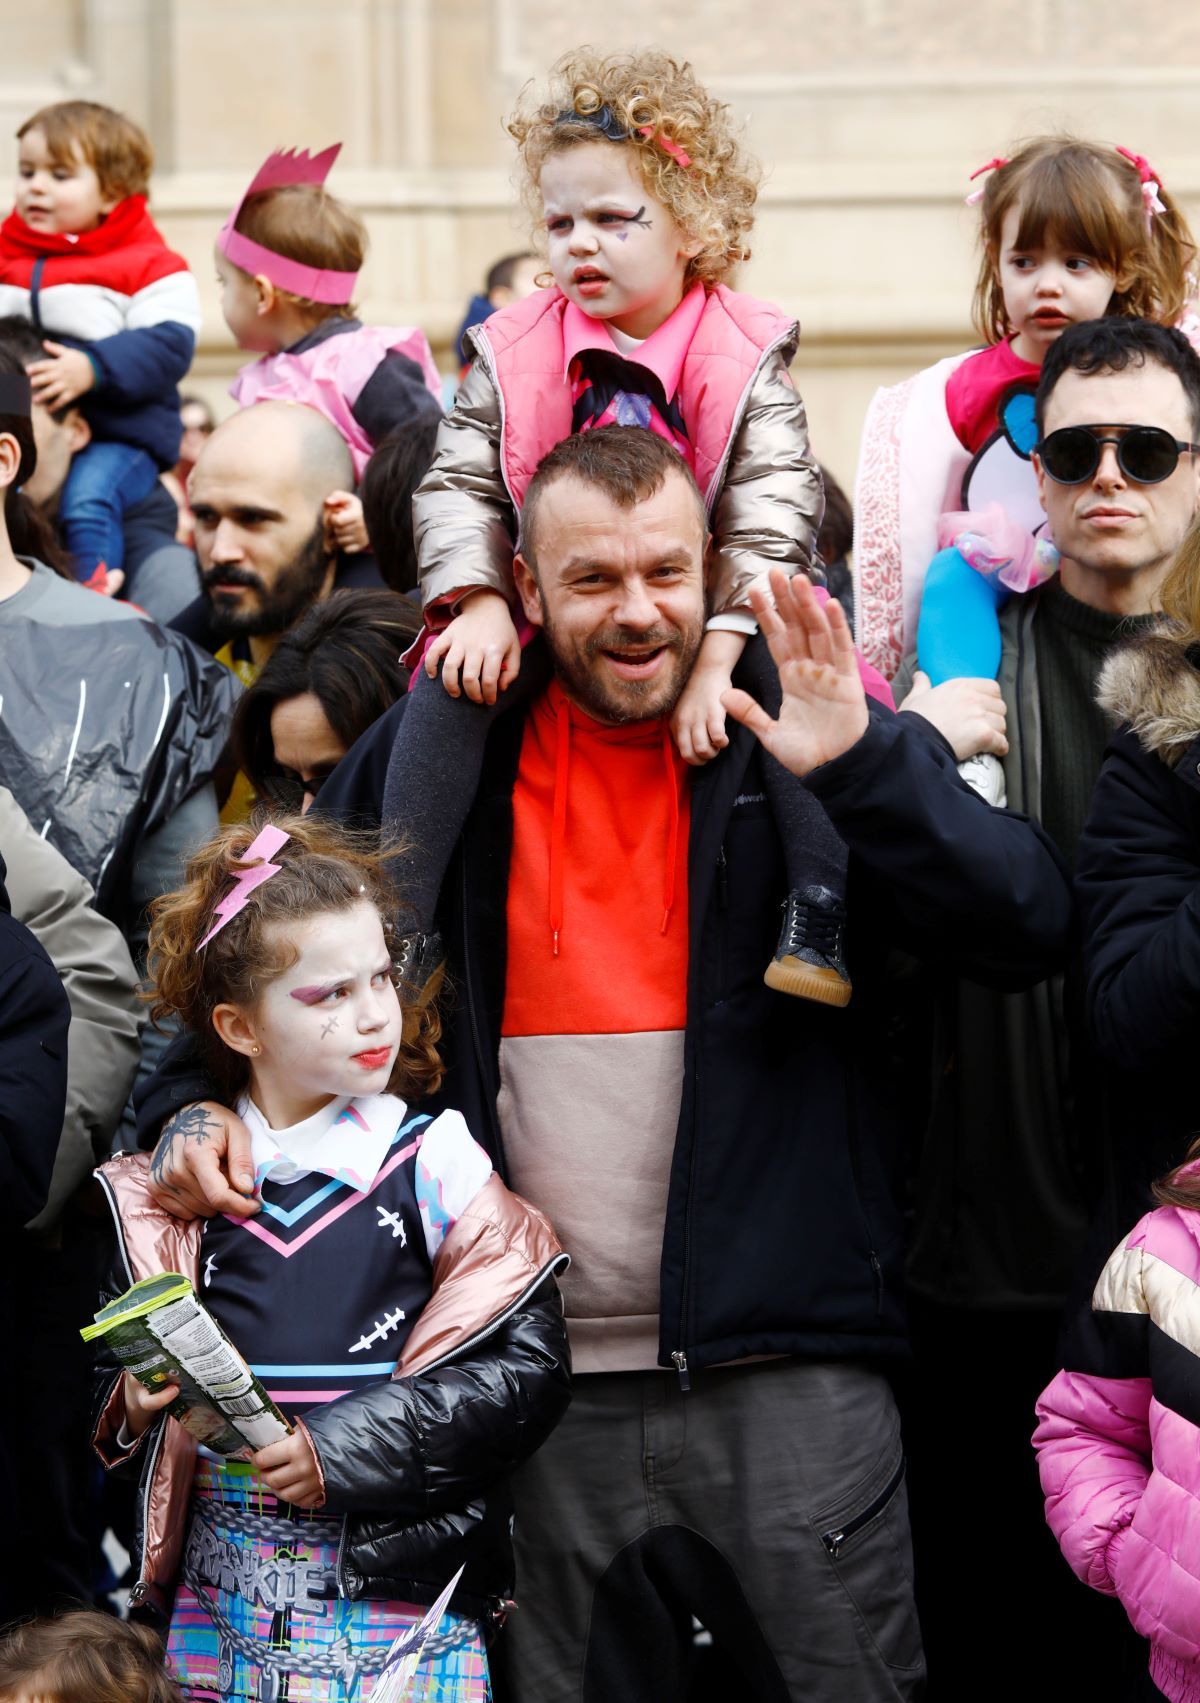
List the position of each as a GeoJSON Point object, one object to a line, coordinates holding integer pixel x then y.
{"type": "Point", "coordinates": [297, 585]}
{"type": "Point", "coordinates": [619, 701]}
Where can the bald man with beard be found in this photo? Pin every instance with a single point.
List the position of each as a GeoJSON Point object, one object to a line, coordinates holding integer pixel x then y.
{"type": "Point", "coordinates": [264, 537]}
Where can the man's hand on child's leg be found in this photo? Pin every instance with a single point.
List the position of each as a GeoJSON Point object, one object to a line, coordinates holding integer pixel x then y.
{"type": "Point", "coordinates": [481, 649]}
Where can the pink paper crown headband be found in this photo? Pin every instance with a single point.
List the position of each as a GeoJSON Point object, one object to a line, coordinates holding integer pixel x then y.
{"type": "Point", "coordinates": [245, 881]}
{"type": "Point", "coordinates": [282, 169]}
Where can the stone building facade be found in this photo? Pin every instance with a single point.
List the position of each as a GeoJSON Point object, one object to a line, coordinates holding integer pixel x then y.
{"type": "Point", "coordinates": [868, 115]}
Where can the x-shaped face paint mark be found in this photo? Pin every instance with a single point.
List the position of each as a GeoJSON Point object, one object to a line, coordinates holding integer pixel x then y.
{"type": "Point", "coordinates": [331, 1024]}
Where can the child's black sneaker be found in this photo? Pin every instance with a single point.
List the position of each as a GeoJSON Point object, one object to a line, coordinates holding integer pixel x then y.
{"type": "Point", "coordinates": [808, 961]}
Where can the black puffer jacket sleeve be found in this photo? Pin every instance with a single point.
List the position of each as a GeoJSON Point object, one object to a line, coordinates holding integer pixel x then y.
{"type": "Point", "coordinates": [1138, 879]}
{"type": "Point", "coordinates": [415, 1447]}
{"type": "Point", "coordinates": [983, 892]}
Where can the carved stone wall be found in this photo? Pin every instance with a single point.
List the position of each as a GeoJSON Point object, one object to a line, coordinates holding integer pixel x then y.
{"type": "Point", "coordinates": [868, 114]}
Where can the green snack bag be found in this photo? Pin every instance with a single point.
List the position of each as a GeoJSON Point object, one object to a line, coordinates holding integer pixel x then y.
{"type": "Point", "coordinates": [161, 1332]}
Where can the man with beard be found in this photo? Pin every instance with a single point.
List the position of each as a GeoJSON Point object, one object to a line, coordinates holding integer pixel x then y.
{"type": "Point", "coordinates": [264, 541]}
{"type": "Point", "coordinates": [719, 1162]}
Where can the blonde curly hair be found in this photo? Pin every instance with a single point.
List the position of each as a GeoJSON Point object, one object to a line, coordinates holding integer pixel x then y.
{"type": "Point", "coordinates": [711, 199]}
{"type": "Point", "coordinates": [323, 868]}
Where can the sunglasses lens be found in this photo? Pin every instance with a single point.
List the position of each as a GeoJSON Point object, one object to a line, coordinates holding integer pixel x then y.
{"type": "Point", "coordinates": [1148, 455]}
{"type": "Point", "coordinates": [284, 792]}
{"type": "Point", "coordinates": [1070, 456]}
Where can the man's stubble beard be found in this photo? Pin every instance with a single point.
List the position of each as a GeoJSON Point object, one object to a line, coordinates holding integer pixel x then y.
{"type": "Point", "coordinates": [633, 700]}
{"type": "Point", "coordinates": [297, 586]}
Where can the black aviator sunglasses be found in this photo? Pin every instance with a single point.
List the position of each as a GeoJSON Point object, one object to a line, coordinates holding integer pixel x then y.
{"type": "Point", "coordinates": [285, 791]}
{"type": "Point", "coordinates": [1145, 454]}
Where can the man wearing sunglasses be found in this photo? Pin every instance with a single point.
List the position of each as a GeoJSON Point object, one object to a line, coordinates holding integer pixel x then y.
{"type": "Point", "coordinates": [1016, 1143]}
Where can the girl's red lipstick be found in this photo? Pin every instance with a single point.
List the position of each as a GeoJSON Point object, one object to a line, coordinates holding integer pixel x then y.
{"type": "Point", "coordinates": [375, 1059]}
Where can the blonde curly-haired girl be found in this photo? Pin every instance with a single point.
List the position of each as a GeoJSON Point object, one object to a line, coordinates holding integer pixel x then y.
{"type": "Point", "coordinates": [642, 198]}
{"type": "Point", "coordinates": [398, 1303]}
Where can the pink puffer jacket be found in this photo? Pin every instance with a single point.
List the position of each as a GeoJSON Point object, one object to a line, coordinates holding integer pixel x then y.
{"type": "Point", "coordinates": [1118, 1441]}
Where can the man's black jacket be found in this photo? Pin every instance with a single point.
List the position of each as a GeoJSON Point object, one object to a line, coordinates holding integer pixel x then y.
{"type": "Point", "coordinates": [782, 1233]}
{"type": "Point", "coordinates": [34, 1018]}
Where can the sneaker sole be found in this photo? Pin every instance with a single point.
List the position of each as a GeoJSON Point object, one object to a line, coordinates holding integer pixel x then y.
{"type": "Point", "coordinates": [805, 981]}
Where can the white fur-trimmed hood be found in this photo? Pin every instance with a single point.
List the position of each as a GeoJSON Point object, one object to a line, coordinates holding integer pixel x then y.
{"type": "Point", "coordinates": [1149, 683]}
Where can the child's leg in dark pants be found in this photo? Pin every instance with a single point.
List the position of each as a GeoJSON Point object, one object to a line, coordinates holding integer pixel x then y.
{"type": "Point", "coordinates": [431, 782]}
{"type": "Point", "coordinates": [808, 961]}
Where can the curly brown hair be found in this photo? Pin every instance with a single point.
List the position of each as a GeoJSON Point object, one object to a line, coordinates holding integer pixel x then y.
{"type": "Point", "coordinates": [1087, 198]}
{"type": "Point", "coordinates": [711, 199]}
{"type": "Point", "coordinates": [323, 868]}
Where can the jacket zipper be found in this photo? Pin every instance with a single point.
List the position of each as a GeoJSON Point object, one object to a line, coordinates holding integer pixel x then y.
{"type": "Point", "coordinates": [833, 1540]}
{"type": "Point", "coordinates": [679, 1355]}
{"type": "Point", "coordinates": [472, 1013]}
{"type": "Point", "coordinates": [141, 1588]}
{"type": "Point", "coordinates": [139, 1592]}
{"type": "Point", "coordinates": [856, 1173]}
{"type": "Point", "coordinates": [558, 1264]}
{"type": "Point", "coordinates": [1030, 805]}
{"type": "Point", "coordinates": [723, 924]}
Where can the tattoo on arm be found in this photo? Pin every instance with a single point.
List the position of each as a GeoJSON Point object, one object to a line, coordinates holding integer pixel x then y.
{"type": "Point", "coordinates": [192, 1124]}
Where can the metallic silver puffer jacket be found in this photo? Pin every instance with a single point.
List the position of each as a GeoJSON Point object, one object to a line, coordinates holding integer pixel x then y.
{"type": "Point", "coordinates": [766, 510]}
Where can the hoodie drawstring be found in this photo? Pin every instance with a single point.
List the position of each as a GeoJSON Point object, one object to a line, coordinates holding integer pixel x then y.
{"type": "Point", "coordinates": [668, 752]}
{"type": "Point", "coordinates": [558, 828]}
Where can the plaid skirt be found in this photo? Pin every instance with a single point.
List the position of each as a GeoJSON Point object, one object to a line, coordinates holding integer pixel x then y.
{"type": "Point", "coordinates": [258, 1620]}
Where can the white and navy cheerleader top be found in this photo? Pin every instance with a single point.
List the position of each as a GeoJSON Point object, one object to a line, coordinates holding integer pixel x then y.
{"type": "Point", "coordinates": [320, 1290]}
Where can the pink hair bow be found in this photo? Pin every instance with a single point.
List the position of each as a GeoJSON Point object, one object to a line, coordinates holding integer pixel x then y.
{"type": "Point", "coordinates": [976, 195]}
{"type": "Point", "coordinates": [666, 144]}
{"type": "Point", "coordinates": [264, 847]}
{"type": "Point", "coordinates": [1151, 202]}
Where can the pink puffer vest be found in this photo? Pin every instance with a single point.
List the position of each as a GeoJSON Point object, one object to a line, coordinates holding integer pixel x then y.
{"type": "Point", "coordinates": [523, 347]}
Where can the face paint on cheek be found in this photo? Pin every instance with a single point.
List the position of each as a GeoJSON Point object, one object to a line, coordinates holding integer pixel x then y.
{"type": "Point", "coordinates": [637, 219]}
{"type": "Point", "coordinates": [329, 1027]}
{"type": "Point", "coordinates": [311, 996]}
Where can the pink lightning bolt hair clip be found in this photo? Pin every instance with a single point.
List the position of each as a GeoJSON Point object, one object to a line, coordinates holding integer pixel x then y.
{"type": "Point", "coordinates": [264, 847]}
{"type": "Point", "coordinates": [1151, 202]}
{"type": "Point", "coordinates": [282, 169]}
